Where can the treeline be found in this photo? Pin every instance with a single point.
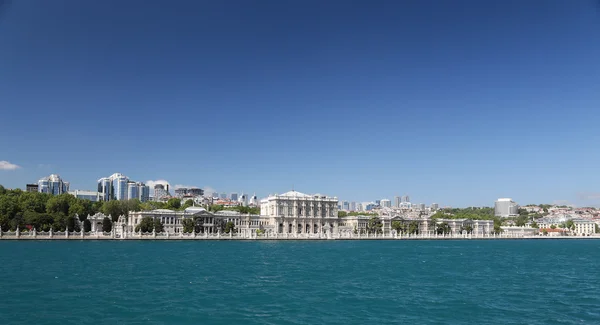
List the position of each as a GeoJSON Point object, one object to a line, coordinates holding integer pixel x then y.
{"type": "Point", "coordinates": [342, 214]}
{"type": "Point", "coordinates": [473, 213]}
{"type": "Point", "coordinates": [239, 208]}
{"type": "Point", "coordinates": [28, 210]}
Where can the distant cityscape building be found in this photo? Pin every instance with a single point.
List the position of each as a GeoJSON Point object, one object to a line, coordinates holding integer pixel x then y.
{"type": "Point", "coordinates": [385, 203]}
{"type": "Point", "coordinates": [32, 188]}
{"type": "Point", "coordinates": [378, 202]}
{"type": "Point", "coordinates": [234, 197]}
{"type": "Point", "coordinates": [345, 205]}
{"type": "Point", "coordinates": [422, 206]}
{"type": "Point", "coordinates": [160, 192]}
{"type": "Point", "coordinates": [397, 201]}
{"type": "Point", "coordinates": [87, 195]}
{"type": "Point", "coordinates": [434, 206]}
{"type": "Point", "coordinates": [352, 206]}
{"type": "Point", "coordinates": [254, 200]}
{"type": "Point", "coordinates": [188, 191]}
{"type": "Point", "coordinates": [223, 196]}
{"type": "Point", "coordinates": [120, 187]}
{"type": "Point", "coordinates": [506, 207]}
{"type": "Point", "coordinates": [53, 184]}
{"type": "Point", "coordinates": [406, 199]}
{"type": "Point", "coordinates": [243, 199]}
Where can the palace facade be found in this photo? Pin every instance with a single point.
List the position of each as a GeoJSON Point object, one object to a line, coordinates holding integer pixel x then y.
{"type": "Point", "coordinates": [289, 214]}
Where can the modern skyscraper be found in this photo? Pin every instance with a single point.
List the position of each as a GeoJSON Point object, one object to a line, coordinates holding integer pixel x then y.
{"type": "Point", "coordinates": [397, 201]}
{"type": "Point", "coordinates": [234, 197]}
{"type": "Point", "coordinates": [144, 192]}
{"type": "Point", "coordinates": [422, 206]}
{"type": "Point", "coordinates": [406, 199]}
{"type": "Point", "coordinates": [119, 187]}
{"type": "Point", "coordinates": [353, 206]}
{"type": "Point", "coordinates": [105, 188]}
{"type": "Point", "coordinates": [506, 207]}
{"type": "Point", "coordinates": [434, 206]}
{"type": "Point", "coordinates": [119, 184]}
{"type": "Point", "coordinates": [346, 205]}
{"type": "Point", "coordinates": [132, 191]}
{"type": "Point", "coordinates": [223, 196]}
{"type": "Point", "coordinates": [385, 203]}
{"type": "Point", "coordinates": [53, 184]}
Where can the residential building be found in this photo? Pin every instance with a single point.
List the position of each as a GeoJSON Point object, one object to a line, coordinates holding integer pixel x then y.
{"type": "Point", "coordinates": [188, 191]}
{"type": "Point", "coordinates": [584, 227]}
{"type": "Point", "coordinates": [160, 192]}
{"type": "Point", "coordinates": [506, 207]}
{"type": "Point", "coordinates": [32, 188]}
{"type": "Point", "coordinates": [53, 184]}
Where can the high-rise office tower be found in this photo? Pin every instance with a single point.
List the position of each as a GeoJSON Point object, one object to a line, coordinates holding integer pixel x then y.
{"type": "Point", "coordinates": [397, 201]}
{"type": "Point", "coordinates": [385, 203]}
{"type": "Point", "coordinates": [53, 184]}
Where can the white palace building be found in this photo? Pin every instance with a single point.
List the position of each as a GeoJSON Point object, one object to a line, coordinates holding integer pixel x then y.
{"type": "Point", "coordinates": [288, 215]}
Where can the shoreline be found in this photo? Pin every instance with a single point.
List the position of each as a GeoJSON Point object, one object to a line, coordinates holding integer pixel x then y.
{"type": "Point", "coordinates": [227, 238]}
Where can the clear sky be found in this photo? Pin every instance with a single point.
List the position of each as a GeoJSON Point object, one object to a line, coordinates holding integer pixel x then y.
{"type": "Point", "coordinates": [454, 102]}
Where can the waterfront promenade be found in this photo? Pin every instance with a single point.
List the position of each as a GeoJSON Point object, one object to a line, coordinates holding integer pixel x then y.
{"type": "Point", "coordinates": [58, 235]}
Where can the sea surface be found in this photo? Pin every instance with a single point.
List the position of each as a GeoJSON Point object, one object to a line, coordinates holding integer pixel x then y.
{"type": "Point", "coordinates": [300, 282]}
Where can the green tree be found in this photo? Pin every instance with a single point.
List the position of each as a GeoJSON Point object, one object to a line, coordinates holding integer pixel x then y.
{"type": "Point", "coordinates": [570, 225]}
{"type": "Point", "coordinates": [230, 227]}
{"type": "Point", "coordinates": [535, 225]}
{"type": "Point", "coordinates": [215, 208]}
{"type": "Point", "coordinates": [188, 225]}
{"type": "Point", "coordinates": [443, 228]}
{"type": "Point", "coordinates": [342, 214]}
{"type": "Point", "coordinates": [60, 204]}
{"type": "Point", "coordinates": [187, 204]}
{"type": "Point", "coordinates": [106, 224]}
{"type": "Point", "coordinates": [87, 225]}
{"type": "Point", "coordinates": [468, 229]}
{"type": "Point", "coordinates": [174, 204]}
{"type": "Point", "coordinates": [146, 225]}
{"type": "Point", "coordinates": [497, 229]}
{"type": "Point", "coordinates": [398, 226]}
{"type": "Point", "coordinates": [374, 225]}
{"type": "Point", "coordinates": [597, 228]}
{"type": "Point", "coordinates": [72, 224]}
{"type": "Point", "coordinates": [413, 227]}
{"type": "Point", "coordinates": [158, 226]}
{"type": "Point", "coordinates": [60, 221]}
{"type": "Point", "coordinates": [553, 227]}
{"type": "Point", "coordinates": [115, 208]}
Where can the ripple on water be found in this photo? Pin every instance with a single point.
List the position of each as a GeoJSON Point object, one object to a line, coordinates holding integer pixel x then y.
{"type": "Point", "coordinates": [346, 282]}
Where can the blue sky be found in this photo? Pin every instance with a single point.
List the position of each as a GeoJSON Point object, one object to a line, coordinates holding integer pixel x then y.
{"type": "Point", "coordinates": [454, 102]}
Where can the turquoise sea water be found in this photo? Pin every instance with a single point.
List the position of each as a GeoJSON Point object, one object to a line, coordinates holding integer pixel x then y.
{"type": "Point", "coordinates": [328, 282]}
